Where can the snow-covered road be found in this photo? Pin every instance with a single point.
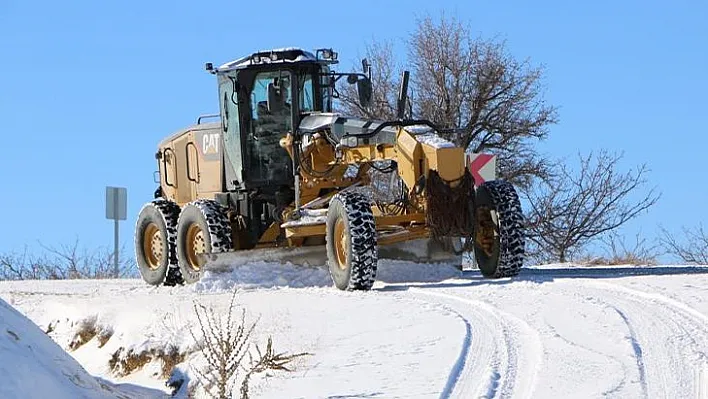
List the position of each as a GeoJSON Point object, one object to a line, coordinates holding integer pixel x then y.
{"type": "Point", "coordinates": [425, 331]}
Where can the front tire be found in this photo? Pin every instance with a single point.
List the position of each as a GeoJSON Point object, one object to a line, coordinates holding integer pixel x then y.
{"type": "Point", "coordinates": [352, 252]}
{"type": "Point", "coordinates": [202, 228]}
{"type": "Point", "coordinates": [155, 235]}
{"type": "Point", "coordinates": [499, 236]}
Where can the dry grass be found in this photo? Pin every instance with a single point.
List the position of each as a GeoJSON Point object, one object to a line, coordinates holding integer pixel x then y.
{"type": "Point", "coordinates": [103, 337]}
{"type": "Point", "coordinates": [627, 259]}
{"type": "Point", "coordinates": [87, 331]}
{"type": "Point", "coordinates": [619, 252]}
{"type": "Point", "coordinates": [124, 363]}
{"type": "Point", "coordinates": [225, 345]}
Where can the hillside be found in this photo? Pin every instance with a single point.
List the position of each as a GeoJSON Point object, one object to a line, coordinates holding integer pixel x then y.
{"type": "Point", "coordinates": [424, 331]}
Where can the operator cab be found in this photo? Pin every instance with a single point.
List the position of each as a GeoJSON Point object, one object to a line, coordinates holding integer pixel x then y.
{"type": "Point", "coordinates": [262, 98]}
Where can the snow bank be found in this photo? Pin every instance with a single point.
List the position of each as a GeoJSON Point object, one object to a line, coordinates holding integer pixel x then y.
{"type": "Point", "coordinates": [33, 366]}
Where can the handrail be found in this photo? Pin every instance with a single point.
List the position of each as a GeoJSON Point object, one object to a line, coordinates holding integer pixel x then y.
{"type": "Point", "coordinates": [189, 177]}
{"type": "Point", "coordinates": [164, 164]}
{"type": "Point", "coordinates": [400, 123]}
{"type": "Point", "coordinates": [199, 120]}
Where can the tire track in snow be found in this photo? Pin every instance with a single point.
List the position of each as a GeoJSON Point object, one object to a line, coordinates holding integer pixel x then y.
{"type": "Point", "coordinates": [553, 332]}
{"type": "Point", "coordinates": [512, 363]}
{"type": "Point", "coordinates": [676, 333]}
{"type": "Point", "coordinates": [461, 358]}
{"type": "Point", "coordinates": [478, 350]}
{"type": "Point", "coordinates": [638, 352]}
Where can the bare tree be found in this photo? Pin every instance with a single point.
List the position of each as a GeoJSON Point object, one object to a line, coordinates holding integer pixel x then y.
{"type": "Point", "coordinates": [64, 262]}
{"type": "Point", "coordinates": [20, 267]}
{"type": "Point", "coordinates": [485, 99]}
{"type": "Point", "coordinates": [385, 81]}
{"type": "Point", "coordinates": [694, 249]}
{"type": "Point", "coordinates": [618, 252]}
{"type": "Point", "coordinates": [569, 210]}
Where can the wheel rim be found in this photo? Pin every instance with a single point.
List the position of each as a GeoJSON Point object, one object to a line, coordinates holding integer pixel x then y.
{"type": "Point", "coordinates": [340, 243]}
{"type": "Point", "coordinates": [196, 245]}
{"type": "Point", "coordinates": [153, 246]}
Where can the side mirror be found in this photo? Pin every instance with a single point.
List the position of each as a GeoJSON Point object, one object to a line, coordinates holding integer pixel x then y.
{"type": "Point", "coordinates": [275, 98]}
{"type": "Point", "coordinates": [365, 91]}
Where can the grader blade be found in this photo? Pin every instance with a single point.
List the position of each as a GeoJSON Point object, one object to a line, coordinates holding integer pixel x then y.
{"type": "Point", "coordinates": [314, 256]}
{"type": "Point", "coordinates": [419, 251]}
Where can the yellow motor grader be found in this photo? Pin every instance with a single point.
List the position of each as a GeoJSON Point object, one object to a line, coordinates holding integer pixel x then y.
{"type": "Point", "coordinates": [282, 176]}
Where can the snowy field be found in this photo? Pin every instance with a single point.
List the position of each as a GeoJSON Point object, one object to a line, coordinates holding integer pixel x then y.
{"type": "Point", "coordinates": [425, 331]}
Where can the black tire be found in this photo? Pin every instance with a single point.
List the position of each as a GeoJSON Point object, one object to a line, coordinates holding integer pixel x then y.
{"type": "Point", "coordinates": [155, 237]}
{"type": "Point", "coordinates": [355, 268]}
{"type": "Point", "coordinates": [509, 244]}
{"type": "Point", "coordinates": [205, 221]}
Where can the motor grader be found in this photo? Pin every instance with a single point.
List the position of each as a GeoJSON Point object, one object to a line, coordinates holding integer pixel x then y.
{"type": "Point", "coordinates": [282, 175]}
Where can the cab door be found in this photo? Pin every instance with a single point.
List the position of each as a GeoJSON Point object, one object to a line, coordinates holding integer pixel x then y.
{"type": "Point", "coordinates": [231, 130]}
{"type": "Point", "coordinates": [184, 175]}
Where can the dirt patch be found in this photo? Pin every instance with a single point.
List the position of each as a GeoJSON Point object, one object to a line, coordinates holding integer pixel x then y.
{"type": "Point", "coordinates": [123, 362]}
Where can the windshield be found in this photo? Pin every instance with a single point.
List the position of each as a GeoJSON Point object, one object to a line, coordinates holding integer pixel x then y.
{"type": "Point", "coordinates": [268, 161]}
{"type": "Point", "coordinates": [310, 100]}
{"type": "Point", "coordinates": [307, 102]}
{"type": "Point", "coordinates": [325, 90]}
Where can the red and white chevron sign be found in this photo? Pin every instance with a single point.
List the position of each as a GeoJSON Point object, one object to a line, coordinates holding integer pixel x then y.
{"type": "Point", "coordinates": [482, 166]}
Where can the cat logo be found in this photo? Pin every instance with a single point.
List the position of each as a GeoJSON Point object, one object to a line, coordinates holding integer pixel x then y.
{"type": "Point", "coordinates": [210, 143]}
{"type": "Point", "coordinates": [210, 147]}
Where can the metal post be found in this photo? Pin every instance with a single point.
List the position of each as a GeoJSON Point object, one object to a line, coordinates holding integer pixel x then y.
{"type": "Point", "coordinates": [115, 248]}
{"type": "Point", "coordinates": [116, 209]}
{"type": "Point", "coordinates": [115, 236]}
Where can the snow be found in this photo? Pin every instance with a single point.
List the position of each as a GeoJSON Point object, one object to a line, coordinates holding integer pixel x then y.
{"type": "Point", "coordinates": [308, 217]}
{"type": "Point", "coordinates": [246, 60]}
{"type": "Point", "coordinates": [424, 331]}
{"type": "Point", "coordinates": [418, 129]}
{"type": "Point", "coordinates": [425, 135]}
{"type": "Point", "coordinates": [34, 366]}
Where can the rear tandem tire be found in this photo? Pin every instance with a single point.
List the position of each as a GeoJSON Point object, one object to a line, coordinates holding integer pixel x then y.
{"type": "Point", "coordinates": [507, 256]}
{"type": "Point", "coordinates": [352, 252]}
{"type": "Point", "coordinates": [203, 227]}
{"type": "Point", "coordinates": [155, 242]}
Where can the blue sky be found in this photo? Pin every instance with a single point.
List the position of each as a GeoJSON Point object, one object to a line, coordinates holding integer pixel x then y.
{"type": "Point", "coordinates": [88, 88]}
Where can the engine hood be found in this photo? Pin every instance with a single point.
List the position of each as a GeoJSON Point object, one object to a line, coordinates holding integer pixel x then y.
{"type": "Point", "coordinates": [340, 125]}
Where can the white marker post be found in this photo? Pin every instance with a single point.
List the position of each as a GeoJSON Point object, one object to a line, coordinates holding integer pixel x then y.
{"type": "Point", "coordinates": [116, 209]}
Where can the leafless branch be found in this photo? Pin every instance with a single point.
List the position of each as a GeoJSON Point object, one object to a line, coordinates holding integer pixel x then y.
{"type": "Point", "coordinates": [693, 249]}
{"type": "Point", "coordinates": [384, 81]}
{"type": "Point", "coordinates": [225, 344]}
{"type": "Point", "coordinates": [485, 99]}
{"type": "Point", "coordinates": [570, 210]}
{"type": "Point", "coordinates": [65, 262]}
{"type": "Point", "coordinates": [619, 252]}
